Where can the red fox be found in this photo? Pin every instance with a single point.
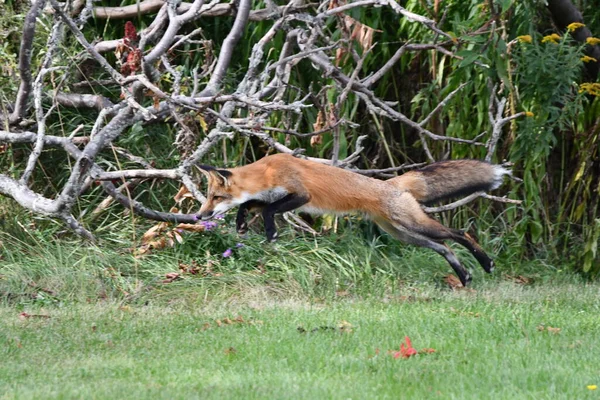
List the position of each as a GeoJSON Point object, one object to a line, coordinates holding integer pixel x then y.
{"type": "Point", "coordinates": [282, 182]}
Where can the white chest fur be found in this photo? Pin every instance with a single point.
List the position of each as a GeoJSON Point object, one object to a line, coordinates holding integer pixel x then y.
{"type": "Point", "coordinates": [268, 196]}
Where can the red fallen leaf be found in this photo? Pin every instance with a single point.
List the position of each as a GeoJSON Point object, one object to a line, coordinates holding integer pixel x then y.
{"type": "Point", "coordinates": [405, 351]}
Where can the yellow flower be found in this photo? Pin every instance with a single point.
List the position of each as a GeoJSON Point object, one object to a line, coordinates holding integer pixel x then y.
{"type": "Point", "coordinates": [592, 387]}
{"type": "Point", "coordinates": [554, 38]}
{"type": "Point", "coordinates": [592, 41]}
{"type": "Point", "coordinates": [590, 88]}
{"type": "Point", "coordinates": [528, 114]}
{"type": "Point", "coordinates": [574, 26]}
{"type": "Point", "coordinates": [588, 59]}
{"type": "Point", "coordinates": [524, 39]}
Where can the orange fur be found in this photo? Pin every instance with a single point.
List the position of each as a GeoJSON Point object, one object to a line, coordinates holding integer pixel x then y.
{"type": "Point", "coordinates": [395, 205]}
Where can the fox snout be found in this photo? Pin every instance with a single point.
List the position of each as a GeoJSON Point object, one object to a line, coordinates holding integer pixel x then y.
{"type": "Point", "coordinates": [206, 215]}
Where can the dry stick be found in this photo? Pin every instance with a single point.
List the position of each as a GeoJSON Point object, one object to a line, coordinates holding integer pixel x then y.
{"type": "Point", "coordinates": [82, 166]}
{"type": "Point", "coordinates": [394, 6]}
{"type": "Point", "coordinates": [323, 63]}
{"type": "Point", "coordinates": [130, 204]}
{"type": "Point", "coordinates": [442, 104]}
{"type": "Point", "coordinates": [302, 135]}
{"type": "Point", "coordinates": [151, 33]}
{"type": "Point", "coordinates": [138, 173]}
{"type": "Point", "coordinates": [175, 23]}
{"type": "Point", "coordinates": [77, 100]}
{"type": "Point", "coordinates": [497, 122]}
{"type": "Point", "coordinates": [101, 60]}
{"type": "Point", "coordinates": [30, 200]}
{"type": "Point", "coordinates": [37, 99]}
{"type": "Point", "coordinates": [455, 204]}
{"type": "Point", "coordinates": [341, 100]}
{"type": "Point", "coordinates": [206, 11]}
{"type": "Point", "coordinates": [233, 37]}
{"type": "Point", "coordinates": [53, 208]}
{"type": "Point", "coordinates": [374, 172]}
{"type": "Point", "coordinates": [149, 6]}
{"type": "Point", "coordinates": [25, 60]}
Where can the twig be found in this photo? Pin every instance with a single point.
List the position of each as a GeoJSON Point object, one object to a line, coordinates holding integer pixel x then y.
{"type": "Point", "coordinates": [469, 199]}
{"type": "Point", "coordinates": [39, 110]}
{"type": "Point", "coordinates": [25, 53]}
{"type": "Point", "coordinates": [375, 172]}
{"type": "Point", "coordinates": [227, 49]}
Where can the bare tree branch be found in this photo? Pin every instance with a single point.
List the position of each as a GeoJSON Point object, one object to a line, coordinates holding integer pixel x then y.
{"type": "Point", "coordinates": [227, 49]}
{"type": "Point", "coordinates": [25, 60]}
{"type": "Point", "coordinates": [77, 100]}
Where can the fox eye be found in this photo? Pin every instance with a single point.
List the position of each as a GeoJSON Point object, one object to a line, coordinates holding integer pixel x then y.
{"type": "Point", "coordinates": [220, 198]}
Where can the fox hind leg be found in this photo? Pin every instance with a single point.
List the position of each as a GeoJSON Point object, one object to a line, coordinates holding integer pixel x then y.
{"type": "Point", "coordinates": [468, 242]}
{"type": "Point", "coordinates": [402, 234]}
{"type": "Point", "coordinates": [414, 219]}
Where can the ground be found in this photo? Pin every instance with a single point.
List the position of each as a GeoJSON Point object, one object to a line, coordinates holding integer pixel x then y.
{"type": "Point", "coordinates": [304, 318]}
{"type": "Point", "coordinates": [502, 341]}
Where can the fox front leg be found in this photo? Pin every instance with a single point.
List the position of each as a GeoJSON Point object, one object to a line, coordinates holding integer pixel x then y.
{"type": "Point", "coordinates": [288, 203]}
{"type": "Point", "coordinates": [241, 225]}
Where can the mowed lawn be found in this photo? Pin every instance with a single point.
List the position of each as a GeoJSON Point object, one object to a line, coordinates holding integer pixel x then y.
{"type": "Point", "coordinates": [502, 341]}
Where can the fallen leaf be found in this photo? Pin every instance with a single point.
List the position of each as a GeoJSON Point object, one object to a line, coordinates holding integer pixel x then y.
{"type": "Point", "coordinates": [23, 316]}
{"type": "Point", "coordinates": [453, 282]}
{"type": "Point", "coordinates": [192, 227]}
{"type": "Point", "coordinates": [427, 350]}
{"type": "Point", "coordinates": [171, 276]}
{"type": "Point", "coordinates": [345, 327]}
{"type": "Point", "coordinates": [549, 329]}
{"type": "Point", "coordinates": [406, 351]}
{"type": "Point", "coordinates": [182, 194]}
{"type": "Point", "coordinates": [519, 279]}
{"type": "Point", "coordinates": [230, 350]}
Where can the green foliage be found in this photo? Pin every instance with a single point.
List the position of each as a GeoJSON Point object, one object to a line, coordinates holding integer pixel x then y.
{"type": "Point", "coordinates": [555, 151]}
{"type": "Point", "coordinates": [546, 77]}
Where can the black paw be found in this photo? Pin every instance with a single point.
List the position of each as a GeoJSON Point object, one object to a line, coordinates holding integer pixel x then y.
{"type": "Point", "coordinates": [466, 280]}
{"type": "Point", "coordinates": [242, 229]}
{"type": "Point", "coordinates": [271, 236]}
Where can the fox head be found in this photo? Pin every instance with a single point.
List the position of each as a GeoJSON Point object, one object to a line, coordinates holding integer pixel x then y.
{"type": "Point", "coordinates": [220, 196]}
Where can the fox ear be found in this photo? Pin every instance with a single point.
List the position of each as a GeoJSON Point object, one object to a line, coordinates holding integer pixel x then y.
{"type": "Point", "coordinates": [211, 172]}
{"type": "Point", "coordinates": [222, 175]}
{"type": "Point", "coordinates": [205, 170]}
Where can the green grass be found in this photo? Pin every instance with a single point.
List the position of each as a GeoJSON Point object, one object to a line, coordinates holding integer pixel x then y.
{"type": "Point", "coordinates": [114, 329]}
{"type": "Point", "coordinates": [487, 346]}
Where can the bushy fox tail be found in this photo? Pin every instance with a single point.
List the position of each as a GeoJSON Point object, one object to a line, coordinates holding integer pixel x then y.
{"type": "Point", "coordinates": [448, 179]}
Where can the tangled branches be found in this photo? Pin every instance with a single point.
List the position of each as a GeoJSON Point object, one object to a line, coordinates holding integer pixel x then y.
{"type": "Point", "coordinates": [246, 107]}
